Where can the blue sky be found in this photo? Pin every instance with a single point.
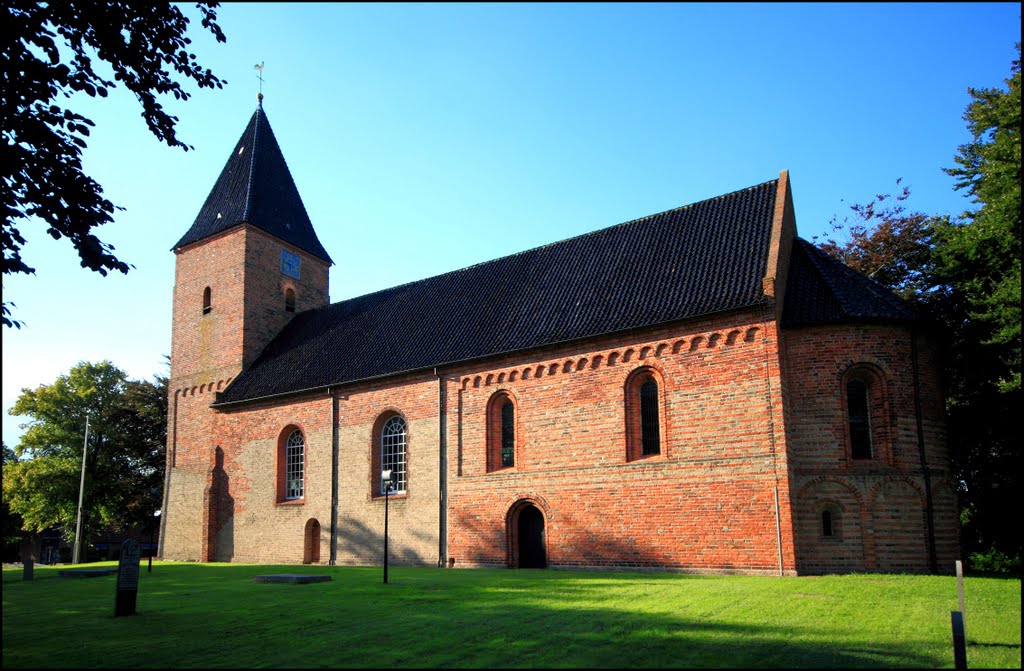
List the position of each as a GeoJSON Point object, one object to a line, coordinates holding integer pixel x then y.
{"type": "Point", "coordinates": [428, 137]}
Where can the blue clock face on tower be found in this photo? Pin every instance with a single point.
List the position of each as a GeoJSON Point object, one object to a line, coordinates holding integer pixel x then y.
{"type": "Point", "coordinates": [290, 264]}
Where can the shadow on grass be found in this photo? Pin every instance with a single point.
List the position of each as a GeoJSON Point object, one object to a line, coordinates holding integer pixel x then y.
{"type": "Point", "coordinates": [216, 616]}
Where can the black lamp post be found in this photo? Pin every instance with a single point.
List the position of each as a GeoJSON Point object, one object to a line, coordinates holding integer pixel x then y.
{"type": "Point", "coordinates": [386, 479]}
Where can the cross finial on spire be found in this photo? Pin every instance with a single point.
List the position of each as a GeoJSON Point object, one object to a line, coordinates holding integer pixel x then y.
{"type": "Point", "coordinates": [259, 70]}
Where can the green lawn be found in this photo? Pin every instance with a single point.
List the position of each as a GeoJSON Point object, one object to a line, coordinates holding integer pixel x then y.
{"type": "Point", "coordinates": [215, 615]}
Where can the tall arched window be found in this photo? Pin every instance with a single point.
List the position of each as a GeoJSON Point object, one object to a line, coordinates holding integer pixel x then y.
{"type": "Point", "coordinates": [291, 465]}
{"type": "Point", "coordinates": [643, 414]}
{"type": "Point", "coordinates": [393, 453]}
{"type": "Point", "coordinates": [859, 419]}
{"type": "Point", "coordinates": [289, 300]}
{"type": "Point", "coordinates": [295, 466]}
{"type": "Point", "coordinates": [501, 431]}
{"type": "Point", "coordinates": [206, 301]}
{"type": "Point", "coordinates": [867, 422]}
{"type": "Point", "coordinates": [508, 433]}
{"type": "Point", "coordinates": [650, 434]}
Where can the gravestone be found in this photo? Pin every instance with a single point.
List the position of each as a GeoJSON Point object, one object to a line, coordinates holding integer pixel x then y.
{"type": "Point", "coordinates": [29, 566]}
{"type": "Point", "coordinates": [127, 578]}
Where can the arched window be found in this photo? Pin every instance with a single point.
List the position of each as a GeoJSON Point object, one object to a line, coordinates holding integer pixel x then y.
{"type": "Point", "coordinates": [830, 517]}
{"type": "Point", "coordinates": [859, 419]}
{"type": "Point", "coordinates": [291, 465]}
{"type": "Point", "coordinates": [643, 414]}
{"type": "Point", "coordinates": [393, 453]}
{"type": "Point", "coordinates": [508, 433]}
{"type": "Point", "coordinates": [295, 463]}
{"type": "Point", "coordinates": [501, 431]}
{"type": "Point", "coordinates": [206, 301]}
{"type": "Point", "coordinates": [867, 420]}
{"type": "Point", "coordinates": [289, 300]}
{"type": "Point", "coordinates": [650, 438]}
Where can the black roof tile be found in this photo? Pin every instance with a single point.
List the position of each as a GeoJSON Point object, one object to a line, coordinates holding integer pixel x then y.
{"type": "Point", "coordinates": [694, 260]}
{"type": "Point", "coordinates": [256, 187]}
{"type": "Point", "coordinates": [823, 290]}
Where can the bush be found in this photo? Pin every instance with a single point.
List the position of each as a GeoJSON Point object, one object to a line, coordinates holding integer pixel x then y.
{"type": "Point", "coordinates": [994, 561]}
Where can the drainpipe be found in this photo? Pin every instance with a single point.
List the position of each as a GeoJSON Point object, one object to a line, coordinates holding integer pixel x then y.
{"type": "Point", "coordinates": [928, 505]}
{"type": "Point", "coordinates": [442, 449]}
{"type": "Point", "coordinates": [334, 475]}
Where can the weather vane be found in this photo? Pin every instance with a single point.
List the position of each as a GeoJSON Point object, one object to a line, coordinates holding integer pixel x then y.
{"type": "Point", "coordinates": [259, 69]}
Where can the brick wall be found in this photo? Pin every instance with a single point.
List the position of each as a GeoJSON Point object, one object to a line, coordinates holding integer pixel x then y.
{"type": "Point", "coordinates": [208, 459]}
{"type": "Point", "coordinates": [252, 523]}
{"type": "Point", "coordinates": [742, 430]}
{"type": "Point", "coordinates": [883, 501]}
{"type": "Point", "coordinates": [414, 516]}
{"type": "Point", "coordinates": [705, 503]}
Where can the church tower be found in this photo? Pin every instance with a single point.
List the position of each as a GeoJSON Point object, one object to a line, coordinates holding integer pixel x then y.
{"type": "Point", "coordinates": [249, 262]}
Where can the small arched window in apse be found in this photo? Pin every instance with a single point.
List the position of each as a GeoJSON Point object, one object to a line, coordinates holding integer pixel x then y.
{"type": "Point", "coordinates": [826, 524]}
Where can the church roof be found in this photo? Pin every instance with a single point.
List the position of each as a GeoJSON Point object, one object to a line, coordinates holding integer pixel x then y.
{"type": "Point", "coordinates": [694, 260]}
{"type": "Point", "coordinates": [823, 290]}
{"type": "Point", "coordinates": [255, 187]}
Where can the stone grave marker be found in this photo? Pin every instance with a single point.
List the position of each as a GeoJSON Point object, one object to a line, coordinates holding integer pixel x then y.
{"type": "Point", "coordinates": [28, 569]}
{"type": "Point", "coordinates": [127, 578]}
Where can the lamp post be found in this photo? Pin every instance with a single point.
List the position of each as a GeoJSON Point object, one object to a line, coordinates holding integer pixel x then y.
{"type": "Point", "coordinates": [386, 479]}
{"type": "Point", "coordinates": [81, 488]}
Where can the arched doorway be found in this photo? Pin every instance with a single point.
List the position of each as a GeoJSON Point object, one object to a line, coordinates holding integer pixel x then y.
{"type": "Point", "coordinates": [530, 534]}
{"type": "Point", "coordinates": [311, 545]}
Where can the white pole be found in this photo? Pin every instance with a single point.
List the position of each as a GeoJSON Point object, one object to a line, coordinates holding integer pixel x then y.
{"type": "Point", "coordinates": [81, 488]}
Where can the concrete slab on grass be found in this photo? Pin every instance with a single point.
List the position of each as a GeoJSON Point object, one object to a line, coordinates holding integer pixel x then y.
{"type": "Point", "coordinates": [85, 572]}
{"type": "Point", "coordinates": [293, 578]}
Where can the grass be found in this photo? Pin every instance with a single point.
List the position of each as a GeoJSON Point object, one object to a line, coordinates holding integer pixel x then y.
{"type": "Point", "coordinates": [216, 616]}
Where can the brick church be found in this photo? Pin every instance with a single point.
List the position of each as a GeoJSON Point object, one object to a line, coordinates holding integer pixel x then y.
{"type": "Point", "coordinates": [698, 390]}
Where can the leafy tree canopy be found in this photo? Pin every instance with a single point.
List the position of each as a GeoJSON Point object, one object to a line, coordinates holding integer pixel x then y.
{"type": "Point", "coordinates": [124, 462]}
{"type": "Point", "coordinates": [980, 256]}
{"type": "Point", "coordinates": [886, 243]}
{"type": "Point", "coordinates": [965, 273]}
{"type": "Point", "coordinates": [50, 50]}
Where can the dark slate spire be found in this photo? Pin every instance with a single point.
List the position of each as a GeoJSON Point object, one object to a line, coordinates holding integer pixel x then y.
{"type": "Point", "coordinates": [255, 187]}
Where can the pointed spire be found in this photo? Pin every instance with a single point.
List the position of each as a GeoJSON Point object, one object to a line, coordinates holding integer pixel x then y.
{"type": "Point", "coordinates": [255, 187]}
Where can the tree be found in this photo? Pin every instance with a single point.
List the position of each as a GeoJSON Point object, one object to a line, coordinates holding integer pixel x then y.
{"type": "Point", "coordinates": [965, 273]}
{"type": "Point", "coordinates": [978, 258]}
{"type": "Point", "coordinates": [49, 50]}
{"type": "Point", "coordinates": [124, 463]}
{"type": "Point", "coordinates": [981, 255]}
{"type": "Point", "coordinates": [886, 243]}
{"type": "Point", "coordinates": [10, 522]}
